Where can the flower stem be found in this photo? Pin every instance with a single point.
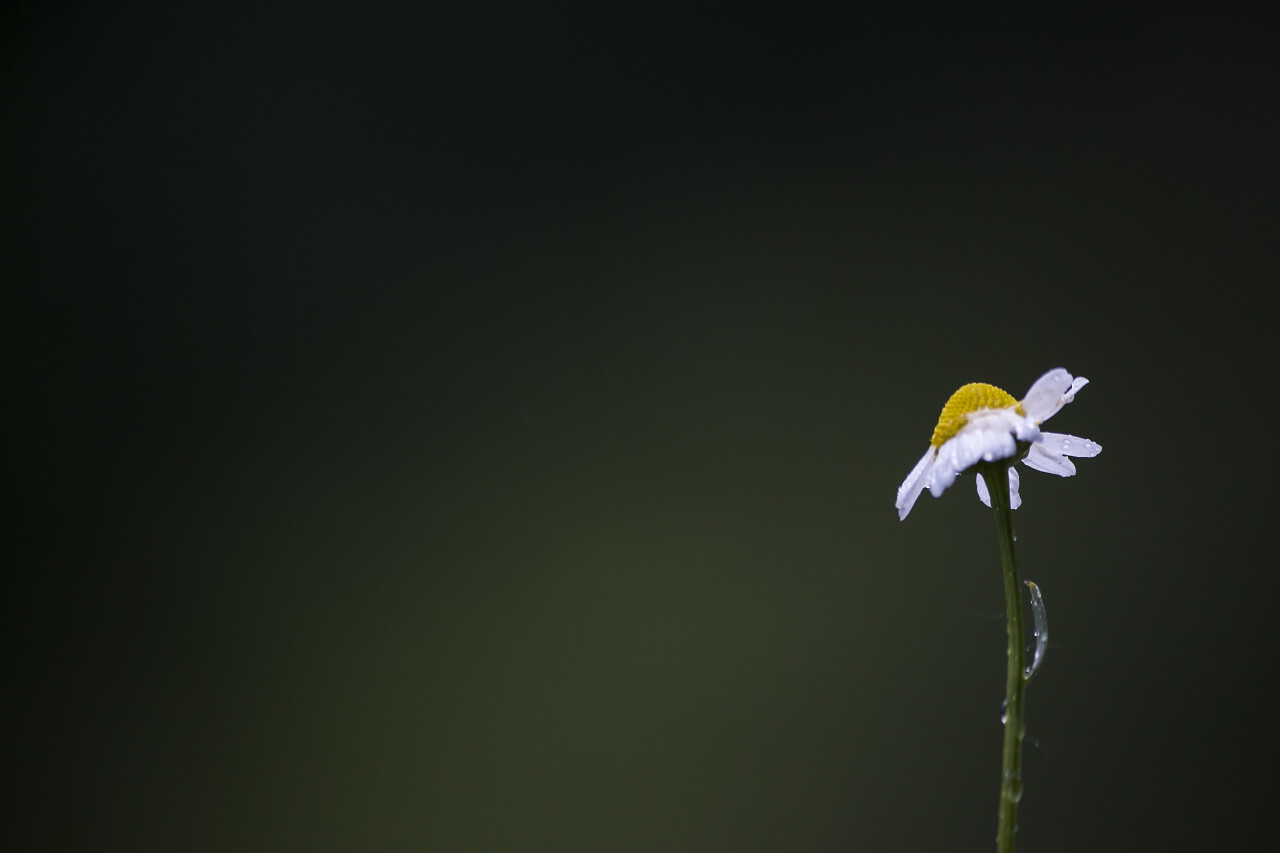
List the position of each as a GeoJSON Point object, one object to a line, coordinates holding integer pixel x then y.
{"type": "Point", "coordinates": [997, 477]}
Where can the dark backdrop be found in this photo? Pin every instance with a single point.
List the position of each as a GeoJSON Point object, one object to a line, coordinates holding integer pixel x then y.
{"type": "Point", "coordinates": [475, 426]}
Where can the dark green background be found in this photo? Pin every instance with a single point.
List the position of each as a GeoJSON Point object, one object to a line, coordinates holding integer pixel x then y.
{"type": "Point", "coordinates": [475, 426]}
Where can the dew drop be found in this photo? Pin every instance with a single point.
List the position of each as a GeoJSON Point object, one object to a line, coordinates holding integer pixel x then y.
{"type": "Point", "coordinates": [1004, 711]}
{"type": "Point", "coordinates": [1013, 787]}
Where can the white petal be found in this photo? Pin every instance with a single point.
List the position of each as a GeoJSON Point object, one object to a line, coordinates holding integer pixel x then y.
{"type": "Point", "coordinates": [984, 495]}
{"type": "Point", "coordinates": [990, 435]}
{"type": "Point", "coordinates": [1069, 445]}
{"type": "Point", "coordinates": [911, 487]}
{"type": "Point", "coordinates": [1026, 430]}
{"type": "Point", "coordinates": [944, 472]}
{"type": "Point", "coordinates": [996, 430]}
{"type": "Point", "coordinates": [958, 454]}
{"type": "Point", "coordinates": [998, 445]}
{"type": "Point", "coordinates": [1076, 384]}
{"type": "Point", "coordinates": [1050, 463]}
{"type": "Point", "coordinates": [1050, 393]}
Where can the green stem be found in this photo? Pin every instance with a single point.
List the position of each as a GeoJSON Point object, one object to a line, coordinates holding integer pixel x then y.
{"type": "Point", "coordinates": [997, 477]}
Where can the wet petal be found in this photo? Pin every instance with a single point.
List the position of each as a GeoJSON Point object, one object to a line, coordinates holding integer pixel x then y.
{"type": "Point", "coordinates": [920, 476]}
{"type": "Point", "coordinates": [1050, 463]}
{"type": "Point", "coordinates": [1076, 384]}
{"type": "Point", "coordinates": [1026, 430]}
{"type": "Point", "coordinates": [1050, 393]}
{"type": "Point", "coordinates": [1069, 445]}
{"type": "Point", "coordinates": [957, 455]}
{"type": "Point", "coordinates": [984, 494]}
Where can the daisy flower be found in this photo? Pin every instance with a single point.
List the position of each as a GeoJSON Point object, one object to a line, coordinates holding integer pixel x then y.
{"type": "Point", "coordinates": [981, 423]}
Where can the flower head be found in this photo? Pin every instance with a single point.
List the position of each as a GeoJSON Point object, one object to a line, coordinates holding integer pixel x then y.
{"type": "Point", "coordinates": [981, 423]}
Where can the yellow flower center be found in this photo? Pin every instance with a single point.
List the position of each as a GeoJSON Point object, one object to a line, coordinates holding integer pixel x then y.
{"type": "Point", "coordinates": [966, 401]}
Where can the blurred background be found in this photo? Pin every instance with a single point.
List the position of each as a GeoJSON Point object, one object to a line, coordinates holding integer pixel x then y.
{"type": "Point", "coordinates": [476, 426]}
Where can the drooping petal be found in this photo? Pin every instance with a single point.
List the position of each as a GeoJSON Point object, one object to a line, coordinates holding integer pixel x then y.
{"type": "Point", "coordinates": [1050, 393]}
{"type": "Point", "coordinates": [956, 455]}
{"type": "Point", "coordinates": [1002, 435]}
{"type": "Point", "coordinates": [998, 431]}
{"type": "Point", "coordinates": [911, 487]}
{"type": "Point", "coordinates": [984, 494]}
{"type": "Point", "coordinates": [998, 445]}
{"type": "Point", "coordinates": [944, 469]}
{"type": "Point", "coordinates": [988, 436]}
{"type": "Point", "coordinates": [1049, 462]}
{"type": "Point", "coordinates": [1069, 445]}
{"type": "Point", "coordinates": [1026, 430]}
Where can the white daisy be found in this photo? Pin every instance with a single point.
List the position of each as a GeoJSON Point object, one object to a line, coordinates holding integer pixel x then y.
{"type": "Point", "coordinates": [981, 423]}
